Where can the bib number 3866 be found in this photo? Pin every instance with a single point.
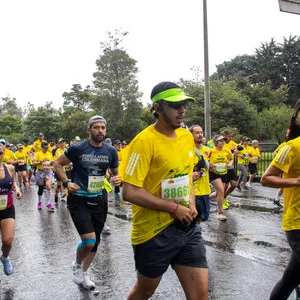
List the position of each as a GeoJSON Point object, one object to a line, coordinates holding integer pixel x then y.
{"type": "Point", "coordinates": [177, 189]}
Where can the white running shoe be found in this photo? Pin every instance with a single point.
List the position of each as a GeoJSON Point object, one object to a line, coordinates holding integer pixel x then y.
{"type": "Point", "coordinates": [106, 229]}
{"type": "Point", "coordinates": [87, 283]}
{"type": "Point", "coordinates": [78, 275]}
{"type": "Point", "coordinates": [248, 184]}
{"type": "Point", "coordinates": [222, 217]}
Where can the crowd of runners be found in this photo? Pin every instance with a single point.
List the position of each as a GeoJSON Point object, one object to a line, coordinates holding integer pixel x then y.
{"type": "Point", "coordinates": [168, 173]}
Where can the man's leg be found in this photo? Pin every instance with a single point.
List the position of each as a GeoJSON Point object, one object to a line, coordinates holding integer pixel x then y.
{"type": "Point", "coordinates": [144, 287]}
{"type": "Point", "coordinates": [194, 281]}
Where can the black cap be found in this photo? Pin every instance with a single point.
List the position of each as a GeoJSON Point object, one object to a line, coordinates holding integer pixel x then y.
{"type": "Point", "coordinates": [244, 138]}
{"type": "Point", "coordinates": [45, 145]}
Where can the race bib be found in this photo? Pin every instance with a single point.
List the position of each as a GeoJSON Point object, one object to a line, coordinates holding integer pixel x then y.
{"type": "Point", "coordinates": [254, 159]}
{"type": "Point", "coordinates": [3, 202]}
{"type": "Point", "coordinates": [46, 165]}
{"type": "Point", "coordinates": [177, 189]}
{"type": "Point", "coordinates": [95, 184]}
{"type": "Point", "coordinates": [21, 162]}
{"type": "Point", "coordinates": [221, 168]}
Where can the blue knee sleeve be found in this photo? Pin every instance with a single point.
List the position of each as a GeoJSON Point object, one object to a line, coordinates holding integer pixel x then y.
{"type": "Point", "coordinates": [86, 242]}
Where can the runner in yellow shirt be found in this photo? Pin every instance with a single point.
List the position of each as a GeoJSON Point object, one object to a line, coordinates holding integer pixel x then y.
{"type": "Point", "coordinates": [21, 165]}
{"type": "Point", "coordinates": [255, 156]}
{"type": "Point", "coordinates": [287, 164]}
{"type": "Point", "coordinates": [243, 161]}
{"type": "Point", "coordinates": [220, 160]}
{"type": "Point", "coordinates": [157, 180]}
{"type": "Point", "coordinates": [37, 145]}
{"type": "Point", "coordinates": [201, 174]}
{"type": "Point", "coordinates": [28, 150]}
{"type": "Point", "coordinates": [9, 157]}
{"type": "Point", "coordinates": [43, 160]}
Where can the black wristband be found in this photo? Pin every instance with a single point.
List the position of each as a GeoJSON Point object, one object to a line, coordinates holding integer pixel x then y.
{"type": "Point", "coordinates": [65, 183]}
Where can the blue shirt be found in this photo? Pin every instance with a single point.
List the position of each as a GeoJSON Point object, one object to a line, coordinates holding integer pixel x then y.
{"type": "Point", "coordinates": [90, 161]}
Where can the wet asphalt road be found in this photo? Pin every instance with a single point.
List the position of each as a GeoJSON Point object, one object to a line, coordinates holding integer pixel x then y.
{"type": "Point", "coordinates": [246, 254]}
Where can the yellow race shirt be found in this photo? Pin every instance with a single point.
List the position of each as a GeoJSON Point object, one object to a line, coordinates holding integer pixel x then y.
{"type": "Point", "coordinates": [230, 145]}
{"type": "Point", "coordinates": [151, 161]}
{"type": "Point", "coordinates": [202, 186]}
{"type": "Point", "coordinates": [40, 156]}
{"type": "Point", "coordinates": [255, 155]}
{"type": "Point", "coordinates": [279, 147]}
{"type": "Point", "coordinates": [59, 152]}
{"type": "Point", "coordinates": [8, 157]}
{"type": "Point", "coordinates": [22, 157]}
{"type": "Point", "coordinates": [51, 148]}
{"type": "Point", "coordinates": [37, 145]}
{"type": "Point", "coordinates": [288, 160]}
{"type": "Point", "coordinates": [246, 151]}
{"type": "Point", "coordinates": [220, 158]}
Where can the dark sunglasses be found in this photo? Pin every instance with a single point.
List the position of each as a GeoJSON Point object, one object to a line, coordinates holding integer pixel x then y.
{"type": "Point", "coordinates": [1, 153]}
{"type": "Point", "coordinates": [177, 105]}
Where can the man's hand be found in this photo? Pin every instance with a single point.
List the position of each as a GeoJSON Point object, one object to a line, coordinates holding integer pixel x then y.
{"type": "Point", "coordinates": [115, 180]}
{"type": "Point", "coordinates": [73, 187]}
{"type": "Point", "coordinates": [183, 214]}
{"type": "Point", "coordinates": [196, 175]}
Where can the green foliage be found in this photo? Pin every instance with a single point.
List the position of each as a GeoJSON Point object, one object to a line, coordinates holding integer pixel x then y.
{"type": "Point", "coordinates": [274, 122]}
{"type": "Point", "coordinates": [117, 88]}
{"type": "Point", "coordinates": [43, 119]}
{"type": "Point", "coordinates": [8, 106]}
{"type": "Point", "coordinates": [9, 125]}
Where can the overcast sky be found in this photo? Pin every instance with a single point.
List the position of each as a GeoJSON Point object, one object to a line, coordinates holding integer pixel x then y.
{"type": "Point", "coordinates": [47, 46]}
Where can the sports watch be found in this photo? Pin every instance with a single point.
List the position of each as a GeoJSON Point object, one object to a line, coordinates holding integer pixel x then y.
{"type": "Point", "coordinates": [65, 183]}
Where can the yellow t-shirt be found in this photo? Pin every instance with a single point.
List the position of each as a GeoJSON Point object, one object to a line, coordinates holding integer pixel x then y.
{"type": "Point", "coordinates": [37, 145]}
{"type": "Point", "coordinates": [51, 148]}
{"type": "Point", "coordinates": [150, 159]}
{"type": "Point", "coordinates": [279, 147]}
{"type": "Point", "coordinates": [40, 156]}
{"type": "Point", "coordinates": [202, 186]}
{"type": "Point", "coordinates": [220, 158]}
{"type": "Point", "coordinates": [9, 156]}
{"type": "Point", "coordinates": [288, 160]}
{"type": "Point", "coordinates": [255, 155]}
{"type": "Point", "coordinates": [59, 152]}
{"type": "Point", "coordinates": [230, 145]}
{"type": "Point", "coordinates": [246, 151]}
{"type": "Point", "coordinates": [22, 157]}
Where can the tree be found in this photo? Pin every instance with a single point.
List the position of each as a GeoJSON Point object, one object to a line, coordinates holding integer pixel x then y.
{"type": "Point", "coordinates": [79, 98]}
{"type": "Point", "coordinates": [274, 122]}
{"type": "Point", "coordinates": [44, 119]}
{"type": "Point", "coordinates": [117, 87]}
{"type": "Point", "coordinates": [9, 107]}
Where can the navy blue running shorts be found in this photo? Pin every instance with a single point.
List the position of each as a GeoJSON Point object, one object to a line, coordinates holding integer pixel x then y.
{"type": "Point", "coordinates": [178, 244]}
{"type": "Point", "coordinates": [252, 168]}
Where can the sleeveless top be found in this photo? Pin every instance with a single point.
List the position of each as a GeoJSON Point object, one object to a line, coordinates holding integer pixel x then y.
{"type": "Point", "coordinates": [5, 187]}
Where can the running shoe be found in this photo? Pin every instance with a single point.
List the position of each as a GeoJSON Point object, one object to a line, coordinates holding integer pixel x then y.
{"type": "Point", "coordinates": [238, 187]}
{"type": "Point", "coordinates": [87, 283]}
{"type": "Point", "coordinates": [7, 266]}
{"type": "Point", "coordinates": [248, 185]}
{"type": "Point", "coordinates": [245, 188]}
{"type": "Point", "coordinates": [106, 229]}
{"type": "Point", "coordinates": [39, 205]}
{"type": "Point", "coordinates": [226, 204]}
{"type": "Point", "coordinates": [78, 275]}
{"type": "Point", "coordinates": [50, 207]}
{"type": "Point", "coordinates": [222, 217]}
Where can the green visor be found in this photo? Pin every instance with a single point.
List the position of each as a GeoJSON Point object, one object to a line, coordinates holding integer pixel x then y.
{"type": "Point", "coordinates": [172, 95]}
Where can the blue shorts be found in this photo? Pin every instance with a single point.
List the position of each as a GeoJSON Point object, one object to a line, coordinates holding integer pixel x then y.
{"type": "Point", "coordinates": [178, 244]}
{"type": "Point", "coordinates": [203, 207]}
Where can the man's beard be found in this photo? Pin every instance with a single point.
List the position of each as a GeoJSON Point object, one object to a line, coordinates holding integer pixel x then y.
{"type": "Point", "coordinates": [168, 120]}
{"type": "Point", "coordinates": [97, 139]}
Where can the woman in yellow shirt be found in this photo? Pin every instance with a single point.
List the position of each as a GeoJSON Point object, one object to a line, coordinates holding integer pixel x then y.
{"type": "Point", "coordinates": [219, 161]}
{"type": "Point", "coordinates": [287, 163]}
